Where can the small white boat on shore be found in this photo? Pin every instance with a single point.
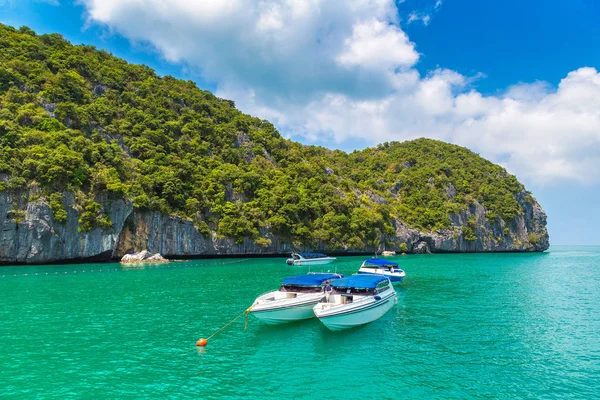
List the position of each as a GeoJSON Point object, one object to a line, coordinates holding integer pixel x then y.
{"type": "Point", "coordinates": [294, 300]}
{"type": "Point", "coordinates": [383, 267]}
{"type": "Point", "coordinates": [388, 253]}
{"type": "Point", "coordinates": [309, 259]}
{"type": "Point", "coordinates": [356, 300]}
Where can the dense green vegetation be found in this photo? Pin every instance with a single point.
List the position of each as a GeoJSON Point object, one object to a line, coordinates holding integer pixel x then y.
{"type": "Point", "coordinates": [73, 118]}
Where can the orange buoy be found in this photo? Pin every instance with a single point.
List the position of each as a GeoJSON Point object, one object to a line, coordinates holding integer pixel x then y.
{"type": "Point", "coordinates": [202, 342]}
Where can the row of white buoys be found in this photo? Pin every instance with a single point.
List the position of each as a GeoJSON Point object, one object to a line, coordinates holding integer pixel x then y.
{"type": "Point", "coordinates": [170, 265]}
{"type": "Point", "coordinates": [59, 273]}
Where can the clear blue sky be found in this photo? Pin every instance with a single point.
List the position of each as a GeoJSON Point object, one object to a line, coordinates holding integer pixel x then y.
{"type": "Point", "coordinates": [500, 43]}
{"type": "Point", "coordinates": [510, 41]}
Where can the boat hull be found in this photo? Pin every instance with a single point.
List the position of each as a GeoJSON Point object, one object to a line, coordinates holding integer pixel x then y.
{"type": "Point", "coordinates": [349, 316]}
{"type": "Point", "coordinates": [283, 313]}
{"type": "Point", "coordinates": [321, 261]}
{"type": "Point", "coordinates": [394, 277]}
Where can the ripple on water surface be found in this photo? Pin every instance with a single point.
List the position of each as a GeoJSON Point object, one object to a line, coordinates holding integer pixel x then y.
{"type": "Point", "coordinates": [474, 325]}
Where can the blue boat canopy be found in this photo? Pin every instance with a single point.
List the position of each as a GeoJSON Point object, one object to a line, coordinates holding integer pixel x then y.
{"type": "Point", "coordinates": [378, 261]}
{"type": "Point", "coordinates": [363, 281]}
{"type": "Point", "coordinates": [312, 255]}
{"type": "Point", "coordinates": [310, 279]}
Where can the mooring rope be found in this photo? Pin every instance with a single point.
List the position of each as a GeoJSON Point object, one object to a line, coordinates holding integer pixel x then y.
{"type": "Point", "coordinates": [246, 311]}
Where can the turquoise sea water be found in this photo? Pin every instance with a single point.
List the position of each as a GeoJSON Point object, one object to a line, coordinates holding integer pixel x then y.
{"type": "Point", "coordinates": [466, 326]}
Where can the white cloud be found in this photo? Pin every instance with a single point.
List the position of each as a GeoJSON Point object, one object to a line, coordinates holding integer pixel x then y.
{"type": "Point", "coordinates": [434, 94]}
{"type": "Point", "coordinates": [378, 45]}
{"type": "Point", "coordinates": [423, 17]}
{"type": "Point", "coordinates": [344, 72]}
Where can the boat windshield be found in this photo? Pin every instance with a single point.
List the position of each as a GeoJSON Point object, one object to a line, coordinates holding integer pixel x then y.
{"type": "Point", "coordinates": [381, 265]}
{"type": "Point", "coordinates": [308, 256]}
{"type": "Point", "coordinates": [383, 286]}
{"type": "Point", "coordinates": [357, 291]}
{"type": "Point", "coordinates": [300, 289]}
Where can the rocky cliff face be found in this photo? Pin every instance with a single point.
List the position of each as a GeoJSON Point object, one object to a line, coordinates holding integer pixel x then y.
{"type": "Point", "coordinates": [31, 236]}
{"type": "Point", "coordinates": [526, 232]}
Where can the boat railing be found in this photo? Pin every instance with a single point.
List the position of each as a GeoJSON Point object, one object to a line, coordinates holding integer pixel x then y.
{"type": "Point", "coordinates": [291, 291]}
{"type": "Point", "coordinates": [261, 295]}
{"type": "Point", "coordinates": [357, 299]}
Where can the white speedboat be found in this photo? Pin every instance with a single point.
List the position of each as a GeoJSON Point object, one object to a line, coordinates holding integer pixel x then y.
{"type": "Point", "coordinates": [356, 300]}
{"type": "Point", "coordinates": [388, 253]}
{"type": "Point", "coordinates": [294, 300]}
{"type": "Point", "coordinates": [309, 259]}
{"type": "Point", "coordinates": [383, 267]}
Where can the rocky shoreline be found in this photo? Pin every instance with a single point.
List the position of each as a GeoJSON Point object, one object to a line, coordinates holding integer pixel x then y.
{"type": "Point", "coordinates": [31, 236]}
{"type": "Point", "coordinates": [143, 257]}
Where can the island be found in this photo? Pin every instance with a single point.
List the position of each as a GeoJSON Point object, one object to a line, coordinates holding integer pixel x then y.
{"type": "Point", "coordinates": [100, 158]}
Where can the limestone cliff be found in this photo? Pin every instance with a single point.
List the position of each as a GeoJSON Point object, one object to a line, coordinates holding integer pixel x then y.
{"type": "Point", "coordinates": [526, 232]}
{"type": "Point", "coordinates": [31, 236]}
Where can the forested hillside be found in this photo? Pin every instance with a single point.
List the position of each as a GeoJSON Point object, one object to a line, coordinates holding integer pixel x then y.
{"type": "Point", "coordinates": [74, 119]}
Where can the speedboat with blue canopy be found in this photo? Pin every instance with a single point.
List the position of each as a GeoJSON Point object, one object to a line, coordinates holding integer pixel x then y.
{"type": "Point", "coordinates": [309, 259]}
{"type": "Point", "coordinates": [383, 267]}
{"type": "Point", "coordinates": [356, 300]}
{"type": "Point", "coordinates": [294, 300]}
